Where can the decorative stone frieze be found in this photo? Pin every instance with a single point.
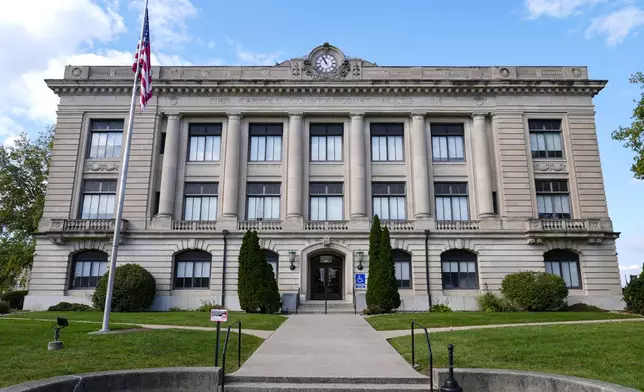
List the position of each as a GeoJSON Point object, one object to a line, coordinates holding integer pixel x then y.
{"type": "Point", "coordinates": [109, 167]}
{"type": "Point", "coordinates": [550, 167]}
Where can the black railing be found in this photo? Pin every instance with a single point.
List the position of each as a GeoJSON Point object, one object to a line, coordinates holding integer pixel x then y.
{"type": "Point", "coordinates": [429, 349]}
{"type": "Point", "coordinates": [223, 354]}
{"type": "Point", "coordinates": [355, 306]}
{"type": "Point", "coordinates": [297, 300]}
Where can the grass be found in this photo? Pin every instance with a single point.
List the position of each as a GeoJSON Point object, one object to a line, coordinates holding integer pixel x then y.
{"type": "Point", "coordinates": [390, 322]}
{"type": "Point", "coordinates": [267, 322]}
{"type": "Point", "coordinates": [610, 352]}
{"type": "Point", "coordinates": [25, 356]}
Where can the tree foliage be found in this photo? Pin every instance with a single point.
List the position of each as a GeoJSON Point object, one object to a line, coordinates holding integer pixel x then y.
{"type": "Point", "coordinates": [256, 284]}
{"type": "Point", "coordinates": [382, 291]}
{"type": "Point", "coordinates": [633, 135]}
{"type": "Point", "coordinates": [634, 294]}
{"type": "Point", "coordinates": [134, 289]}
{"type": "Point", "coordinates": [24, 168]}
{"type": "Point", "coordinates": [374, 259]}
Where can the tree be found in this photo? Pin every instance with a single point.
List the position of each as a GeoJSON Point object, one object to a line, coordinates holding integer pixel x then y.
{"type": "Point", "coordinates": [374, 262]}
{"type": "Point", "coordinates": [390, 297]}
{"type": "Point", "coordinates": [24, 168]}
{"type": "Point", "coordinates": [633, 135]}
{"type": "Point", "coordinates": [256, 286]}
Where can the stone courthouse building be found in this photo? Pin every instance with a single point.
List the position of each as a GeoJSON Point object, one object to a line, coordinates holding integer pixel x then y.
{"type": "Point", "coordinates": [477, 171]}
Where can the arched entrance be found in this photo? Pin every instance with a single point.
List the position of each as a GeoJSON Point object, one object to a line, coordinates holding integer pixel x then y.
{"type": "Point", "coordinates": [326, 277]}
{"type": "Point", "coordinates": [340, 252]}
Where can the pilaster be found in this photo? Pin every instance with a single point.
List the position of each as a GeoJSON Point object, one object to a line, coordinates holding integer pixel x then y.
{"type": "Point", "coordinates": [169, 168]}
{"type": "Point", "coordinates": [358, 169]}
{"type": "Point", "coordinates": [420, 169]}
{"type": "Point", "coordinates": [482, 167]}
{"type": "Point", "coordinates": [229, 209]}
{"type": "Point", "coordinates": [295, 168]}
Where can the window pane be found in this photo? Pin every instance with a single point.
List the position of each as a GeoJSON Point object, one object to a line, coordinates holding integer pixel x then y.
{"type": "Point", "coordinates": [375, 151]}
{"type": "Point", "coordinates": [548, 204]}
{"type": "Point", "coordinates": [277, 148]}
{"type": "Point", "coordinates": [251, 208]}
{"type": "Point", "coordinates": [459, 147]}
{"type": "Point", "coordinates": [451, 147]}
{"type": "Point", "coordinates": [181, 269]}
{"type": "Point", "coordinates": [377, 208]}
{"type": "Point", "coordinates": [393, 208]}
{"type": "Point", "coordinates": [565, 204]}
{"type": "Point", "coordinates": [322, 208]}
{"type": "Point", "coordinates": [213, 209]}
{"type": "Point", "coordinates": [187, 214]}
{"type": "Point", "coordinates": [382, 146]}
{"type": "Point", "coordinates": [440, 209]}
{"type": "Point", "coordinates": [557, 141]}
{"type": "Point", "coordinates": [102, 143]}
{"type": "Point", "coordinates": [541, 204]}
{"type": "Point", "coordinates": [565, 271]}
{"type": "Point", "coordinates": [436, 149]}
{"type": "Point", "coordinates": [574, 275]}
{"type": "Point", "coordinates": [533, 142]}
{"type": "Point", "coordinates": [269, 148]}
{"type": "Point", "coordinates": [209, 145]}
{"type": "Point", "coordinates": [109, 151]}
{"type": "Point", "coordinates": [93, 150]}
{"type": "Point", "coordinates": [314, 148]}
{"type": "Point", "coordinates": [399, 148]}
{"type": "Point", "coordinates": [201, 148]}
{"type": "Point", "coordinates": [322, 150]}
{"type": "Point", "coordinates": [338, 148]}
{"type": "Point", "coordinates": [334, 208]}
{"type": "Point", "coordinates": [464, 209]}
{"type": "Point", "coordinates": [205, 206]}
{"type": "Point", "coordinates": [541, 142]}
{"type": "Point", "coordinates": [254, 143]}
{"type": "Point", "coordinates": [401, 208]}
{"type": "Point", "coordinates": [443, 148]}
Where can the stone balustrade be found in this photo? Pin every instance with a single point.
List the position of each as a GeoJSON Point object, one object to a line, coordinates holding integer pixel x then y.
{"type": "Point", "coordinates": [398, 225]}
{"type": "Point", "coordinates": [326, 225]}
{"type": "Point", "coordinates": [194, 225]}
{"type": "Point", "coordinates": [563, 225]}
{"type": "Point", "coordinates": [457, 225]}
{"type": "Point", "coordinates": [260, 225]}
{"type": "Point", "coordinates": [85, 225]}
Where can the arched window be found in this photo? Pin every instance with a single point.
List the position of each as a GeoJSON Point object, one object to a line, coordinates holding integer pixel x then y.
{"type": "Point", "coordinates": [192, 270]}
{"type": "Point", "coordinates": [459, 270]}
{"type": "Point", "coordinates": [402, 263]}
{"type": "Point", "coordinates": [272, 259]}
{"type": "Point", "coordinates": [87, 269]}
{"type": "Point", "coordinates": [564, 263]}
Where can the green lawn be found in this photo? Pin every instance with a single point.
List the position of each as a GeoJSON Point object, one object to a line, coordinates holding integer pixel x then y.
{"type": "Point", "coordinates": [391, 322]}
{"type": "Point", "coordinates": [25, 356]}
{"type": "Point", "coordinates": [610, 352]}
{"type": "Point", "coordinates": [267, 322]}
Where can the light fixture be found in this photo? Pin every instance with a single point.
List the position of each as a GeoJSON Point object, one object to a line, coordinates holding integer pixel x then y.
{"type": "Point", "coordinates": [291, 258]}
{"type": "Point", "coordinates": [359, 255]}
{"type": "Point", "coordinates": [61, 322]}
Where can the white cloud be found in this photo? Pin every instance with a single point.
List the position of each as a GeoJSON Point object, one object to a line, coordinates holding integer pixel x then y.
{"type": "Point", "coordinates": [616, 25]}
{"type": "Point", "coordinates": [168, 19]}
{"type": "Point", "coordinates": [557, 8]}
{"type": "Point", "coordinates": [246, 57]}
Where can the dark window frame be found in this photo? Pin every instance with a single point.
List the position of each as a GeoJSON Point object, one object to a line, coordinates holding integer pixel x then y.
{"type": "Point", "coordinates": [540, 190]}
{"type": "Point", "coordinates": [380, 129]}
{"type": "Point", "coordinates": [559, 256]}
{"type": "Point", "coordinates": [264, 195]}
{"type": "Point", "coordinates": [325, 195]}
{"type": "Point", "coordinates": [446, 130]}
{"type": "Point", "coordinates": [192, 256]}
{"type": "Point", "coordinates": [400, 256]}
{"type": "Point", "coordinates": [391, 192]}
{"type": "Point", "coordinates": [326, 132]}
{"type": "Point", "coordinates": [271, 256]}
{"type": "Point", "coordinates": [210, 129]}
{"type": "Point", "coordinates": [92, 130]}
{"type": "Point", "coordinates": [459, 255]}
{"type": "Point", "coordinates": [544, 130]}
{"type": "Point", "coordinates": [202, 195]}
{"type": "Point", "coordinates": [452, 190]}
{"type": "Point", "coordinates": [86, 256]}
{"type": "Point", "coordinates": [84, 192]}
{"type": "Point", "coordinates": [254, 130]}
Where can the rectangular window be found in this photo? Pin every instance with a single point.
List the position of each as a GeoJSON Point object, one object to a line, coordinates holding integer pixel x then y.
{"type": "Point", "coordinates": [265, 142]}
{"type": "Point", "coordinates": [326, 201]}
{"type": "Point", "coordinates": [402, 270]}
{"type": "Point", "coordinates": [387, 142]}
{"type": "Point", "coordinates": [200, 201]}
{"type": "Point", "coordinates": [451, 201]}
{"type": "Point", "coordinates": [568, 270]}
{"type": "Point", "coordinates": [106, 137]}
{"type": "Point", "coordinates": [192, 274]}
{"type": "Point", "coordinates": [99, 198]}
{"type": "Point", "coordinates": [459, 275]}
{"type": "Point", "coordinates": [553, 199]}
{"type": "Point", "coordinates": [87, 273]}
{"type": "Point", "coordinates": [263, 201]}
{"type": "Point", "coordinates": [204, 143]}
{"type": "Point", "coordinates": [545, 138]}
{"type": "Point", "coordinates": [326, 142]}
{"type": "Point", "coordinates": [389, 200]}
{"type": "Point", "coordinates": [447, 142]}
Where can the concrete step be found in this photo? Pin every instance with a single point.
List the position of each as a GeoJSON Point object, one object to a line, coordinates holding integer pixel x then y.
{"type": "Point", "coordinates": [318, 307]}
{"type": "Point", "coordinates": [419, 380]}
{"type": "Point", "coordinates": [322, 387]}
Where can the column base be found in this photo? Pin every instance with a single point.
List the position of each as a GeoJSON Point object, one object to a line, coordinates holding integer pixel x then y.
{"type": "Point", "coordinates": [161, 222]}
{"type": "Point", "coordinates": [293, 223]}
{"type": "Point", "coordinates": [359, 222]}
{"type": "Point", "coordinates": [487, 215]}
{"type": "Point", "coordinates": [227, 223]}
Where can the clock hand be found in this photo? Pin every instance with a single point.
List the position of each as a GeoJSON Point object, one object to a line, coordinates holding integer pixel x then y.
{"type": "Point", "coordinates": [325, 62]}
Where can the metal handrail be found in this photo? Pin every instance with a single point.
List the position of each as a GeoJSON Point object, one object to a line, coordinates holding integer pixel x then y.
{"type": "Point", "coordinates": [223, 354]}
{"type": "Point", "coordinates": [297, 300]}
{"type": "Point", "coordinates": [429, 348]}
{"type": "Point", "coordinates": [355, 308]}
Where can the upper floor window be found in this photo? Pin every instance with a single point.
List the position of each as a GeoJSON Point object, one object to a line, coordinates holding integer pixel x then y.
{"type": "Point", "coordinates": [192, 270]}
{"type": "Point", "coordinates": [387, 142]}
{"type": "Point", "coordinates": [263, 201]}
{"type": "Point", "coordinates": [553, 199]}
{"type": "Point", "coordinates": [389, 200]}
{"type": "Point", "coordinates": [459, 269]}
{"type": "Point", "coordinates": [447, 142]}
{"type": "Point", "coordinates": [204, 143]}
{"type": "Point", "coordinates": [106, 137]}
{"type": "Point", "coordinates": [451, 201]}
{"type": "Point", "coordinates": [265, 142]}
{"type": "Point", "coordinates": [200, 201]}
{"type": "Point", "coordinates": [545, 138]}
{"type": "Point", "coordinates": [326, 201]}
{"type": "Point", "coordinates": [99, 198]}
{"type": "Point", "coordinates": [402, 268]}
{"type": "Point", "coordinates": [272, 259]}
{"type": "Point", "coordinates": [326, 142]}
{"type": "Point", "coordinates": [565, 264]}
{"type": "Point", "coordinates": [87, 269]}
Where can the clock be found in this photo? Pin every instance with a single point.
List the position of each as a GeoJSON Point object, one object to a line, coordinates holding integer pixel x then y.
{"type": "Point", "coordinates": [326, 63]}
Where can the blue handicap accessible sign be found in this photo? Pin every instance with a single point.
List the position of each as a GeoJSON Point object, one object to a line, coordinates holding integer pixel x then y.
{"type": "Point", "coordinates": [361, 281]}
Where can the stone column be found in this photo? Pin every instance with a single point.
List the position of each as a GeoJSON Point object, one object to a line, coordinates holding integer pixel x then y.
{"type": "Point", "coordinates": [169, 169]}
{"type": "Point", "coordinates": [231, 169]}
{"type": "Point", "coordinates": [419, 167]}
{"type": "Point", "coordinates": [295, 167]}
{"type": "Point", "coordinates": [482, 169]}
{"type": "Point", "coordinates": [358, 169]}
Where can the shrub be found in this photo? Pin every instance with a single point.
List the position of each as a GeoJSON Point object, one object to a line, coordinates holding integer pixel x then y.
{"type": "Point", "coordinates": [257, 287]}
{"type": "Point", "coordinates": [134, 289]}
{"type": "Point", "coordinates": [207, 305]}
{"type": "Point", "coordinates": [634, 295]}
{"type": "Point", "coordinates": [440, 308]}
{"type": "Point", "coordinates": [69, 307]}
{"type": "Point", "coordinates": [535, 291]}
{"type": "Point", "coordinates": [15, 298]}
{"type": "Point", "coordinates": [582, 308]}
{"type": "Point", "coordinates": [4, 307]}
{"type": "Point", "coordinates": [490, 302]}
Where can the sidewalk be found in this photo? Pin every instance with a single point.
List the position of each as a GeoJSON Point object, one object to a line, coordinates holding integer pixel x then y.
{"type": "Point", "coordinates": [333, 345]}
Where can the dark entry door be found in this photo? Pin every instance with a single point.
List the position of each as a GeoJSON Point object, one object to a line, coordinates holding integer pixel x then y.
{"type": "Point", "coordinates": [326, 277]}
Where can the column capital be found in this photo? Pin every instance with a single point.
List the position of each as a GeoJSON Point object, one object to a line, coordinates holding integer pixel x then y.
{"type": "Point", "coordinates": [356, 114]}
{"type": "Point", "coordinates": [295, 115]}
{"type": "Point", "coordinates": [234, 115]}
{"type": "Point", "coordinates": [418, 115]}
{"type": "Point", "coordinates": [480, 115]}
{"type": "Point", "coordinates": [174, 116]}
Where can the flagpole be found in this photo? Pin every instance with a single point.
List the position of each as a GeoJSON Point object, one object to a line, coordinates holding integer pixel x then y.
{"type": "Point", "coordinates": [121, 189]}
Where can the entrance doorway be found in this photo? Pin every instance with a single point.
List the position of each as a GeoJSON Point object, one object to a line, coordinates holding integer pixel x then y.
{"type": "Point", "coordinates": [326, 277]}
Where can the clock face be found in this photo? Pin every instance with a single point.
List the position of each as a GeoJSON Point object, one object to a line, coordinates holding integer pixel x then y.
{"type": "Point", "coordinates": [326, 63]}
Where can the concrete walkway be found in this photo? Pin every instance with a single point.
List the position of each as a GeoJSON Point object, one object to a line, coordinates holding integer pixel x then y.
{"type": "Point", "coordinates": [332, 345]}
{"type": "Point", "coordinates": [405, 332]}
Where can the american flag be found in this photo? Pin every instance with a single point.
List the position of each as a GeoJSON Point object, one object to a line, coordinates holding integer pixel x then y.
{"type": "Point", "coordinates": [142, 57]}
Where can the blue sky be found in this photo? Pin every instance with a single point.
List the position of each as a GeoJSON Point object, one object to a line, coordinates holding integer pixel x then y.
{"type": "Point", "coordinates": [38, 38]}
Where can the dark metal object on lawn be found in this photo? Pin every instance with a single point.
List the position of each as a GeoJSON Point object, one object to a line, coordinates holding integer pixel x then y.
{"type": "Point", "coordinates": [61, 322]}
{"type": "Point", "coordinates": [429, 349]}
{"type": "Point", "coordinates": [450, 384]}
{"type": "Point", "coordinates": [223, 359]}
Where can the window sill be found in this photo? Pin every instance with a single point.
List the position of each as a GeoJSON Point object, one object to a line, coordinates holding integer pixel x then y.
{"type": "Point", "coordinates": [326, 162]}
{"type": "Point", "coordinates": [449, 162]}
{"type": "Point", "coordinates": [265, 162]}
{"type": "Point", "coordinates": [388, 162]}
{"type": "Point", "coordinates": [203, 162]}
{"type": "Point", "coordinates": [187, 289]}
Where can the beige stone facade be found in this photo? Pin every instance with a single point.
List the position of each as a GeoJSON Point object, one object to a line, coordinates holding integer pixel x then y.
{"type": "Point", "coordinates": [400, 141]}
